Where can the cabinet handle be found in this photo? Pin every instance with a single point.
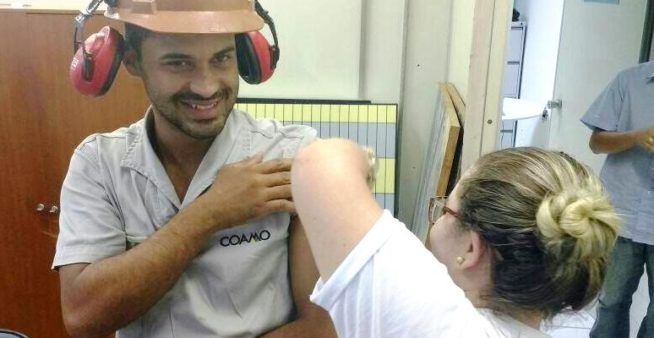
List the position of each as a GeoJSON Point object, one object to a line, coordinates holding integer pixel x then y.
{"type": "Point", "coordinates": [54, 209]}
{"type": "Point", "coordinates": [40, 207]}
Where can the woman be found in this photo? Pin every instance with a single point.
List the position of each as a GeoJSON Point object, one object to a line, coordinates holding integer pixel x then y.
{"type": "Point", "coordinates": [525, 234]}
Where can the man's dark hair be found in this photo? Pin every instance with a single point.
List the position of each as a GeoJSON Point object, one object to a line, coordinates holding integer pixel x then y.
{"type": "Point", "coordinates": [134, 36]}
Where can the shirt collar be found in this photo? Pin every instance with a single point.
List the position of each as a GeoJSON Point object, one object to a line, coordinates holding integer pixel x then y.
{"type": "Point", "coordinates": [140, 156]}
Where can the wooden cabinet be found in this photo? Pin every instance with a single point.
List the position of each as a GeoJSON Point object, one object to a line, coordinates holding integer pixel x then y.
{"type": "Point", "coordinates": [42, 120]}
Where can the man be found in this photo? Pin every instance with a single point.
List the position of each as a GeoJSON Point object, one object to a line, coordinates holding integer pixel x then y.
{"type": "Point", "coordinates": [622, 119]}
{"type": "Point", "coordinates": [178, 226]}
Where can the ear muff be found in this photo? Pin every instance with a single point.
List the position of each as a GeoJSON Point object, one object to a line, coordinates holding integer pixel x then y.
{"type": "Point", "coordinates": [96, 62]}
{"type": "Point", "coordinates": [257, 59]}
{"type": "Point", "coordinates": [254, 62]}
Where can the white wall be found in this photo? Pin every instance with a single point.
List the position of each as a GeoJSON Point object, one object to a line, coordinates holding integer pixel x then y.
{"type": "Point", "coordinates": [382, 50]}
{"type": "Point", "coordinates": [543, 19]}
{"type": "Point", "coordinates": [428, 27]}
{"type": "Point", "coordinates": [461, 45]}
{"type": "Point", "coordinates": [320, 51]}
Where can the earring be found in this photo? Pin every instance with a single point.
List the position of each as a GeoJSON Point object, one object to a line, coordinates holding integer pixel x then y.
{"type": "Point", "coordinates": [459, 260]}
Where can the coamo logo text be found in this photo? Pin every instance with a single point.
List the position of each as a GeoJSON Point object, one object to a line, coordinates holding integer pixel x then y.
{"type": "Point", "coordinates": [244, 238]}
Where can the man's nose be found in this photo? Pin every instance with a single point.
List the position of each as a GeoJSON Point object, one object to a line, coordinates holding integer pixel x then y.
{"type": "Point", "coordinates": [206, 82]}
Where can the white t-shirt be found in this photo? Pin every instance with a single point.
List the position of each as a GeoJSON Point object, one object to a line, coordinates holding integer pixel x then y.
{"type": "Point", "coordinates": [117, 194]}
{"type": "Point", "coordinates": [391, 286]}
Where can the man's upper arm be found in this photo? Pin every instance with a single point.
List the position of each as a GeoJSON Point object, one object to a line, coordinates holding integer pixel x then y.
{"type": "Point", "coordinates": [604, 112]}
{"type": "Point", "coordinates": [89, 225]}
{"type": "Point", "coordinates": [67, 276]}
{"type": "Point", "coordinates": [303, 271]}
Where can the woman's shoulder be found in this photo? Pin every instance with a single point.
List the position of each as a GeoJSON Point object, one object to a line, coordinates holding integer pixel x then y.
{"type": "Point", "coordinates": [508, 327]}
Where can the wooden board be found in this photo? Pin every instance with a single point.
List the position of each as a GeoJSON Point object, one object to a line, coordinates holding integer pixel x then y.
{"type": "Point", "coordinates": [459, 105]}
{"type": "Point", "coordinates": [450, 128]}
{"type": "Point", "coordinates": [441, 153]}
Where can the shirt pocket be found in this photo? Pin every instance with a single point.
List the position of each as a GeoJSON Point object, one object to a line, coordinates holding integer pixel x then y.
{"type": "Point", "coordinates": [256, 271]}
{"type": "Point", "coordinates": [146, 210]}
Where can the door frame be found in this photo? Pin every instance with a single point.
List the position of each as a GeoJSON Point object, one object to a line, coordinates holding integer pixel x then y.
{"type": "Point", "coordinates": [648, 34]}
{"type": "Point", "coordinates": [491, 23]}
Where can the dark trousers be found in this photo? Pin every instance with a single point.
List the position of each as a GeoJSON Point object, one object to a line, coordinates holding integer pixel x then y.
{"type": "Point", "coordinates": [624, 272]}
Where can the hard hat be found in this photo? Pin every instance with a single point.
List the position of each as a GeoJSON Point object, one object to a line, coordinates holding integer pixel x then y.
{"type": "Point", "coordinates": [188, 16]}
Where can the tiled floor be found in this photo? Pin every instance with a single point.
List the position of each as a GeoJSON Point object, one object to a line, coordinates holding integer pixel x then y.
{"type": "Point", "coordinates": [570, 325]}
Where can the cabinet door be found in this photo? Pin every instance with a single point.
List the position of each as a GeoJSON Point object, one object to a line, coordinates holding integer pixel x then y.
{"type": "Point", "coordinates": [30, 294]}
{"type": "Point", "coordinates": [511, 84]}
{"type": "Point", "coordinates": [516, 42]}
{"type": "Point", "coordinates": [43, 119]}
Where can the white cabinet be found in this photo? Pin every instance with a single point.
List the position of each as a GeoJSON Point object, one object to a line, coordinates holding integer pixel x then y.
{"type": "Point", "coordinates": [515, 51]}
{"type": "Point", "coordinates": [511, 84]}
{"type": "Point", "coordinates": [512, 77]}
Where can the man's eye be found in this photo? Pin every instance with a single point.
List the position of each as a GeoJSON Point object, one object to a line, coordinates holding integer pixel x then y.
{"type": "Point", "coordinates": [179, 64]}
{"type": "Point", "coordinates": [223, 58]}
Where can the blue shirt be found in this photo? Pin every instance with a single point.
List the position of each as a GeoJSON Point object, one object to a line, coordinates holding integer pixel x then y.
{"type": "Point", "coordinates": [627, 104]}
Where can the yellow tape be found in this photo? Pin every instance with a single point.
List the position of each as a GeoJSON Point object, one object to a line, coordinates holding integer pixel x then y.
{"type": "Point", "coordinates": [306, 113]}
{"type": "Point", "coordinates": [354, 114]}
{"type": "Point", "coordinates": [385, 176]}
{"type": "Point", "coordinates": [297, 112]}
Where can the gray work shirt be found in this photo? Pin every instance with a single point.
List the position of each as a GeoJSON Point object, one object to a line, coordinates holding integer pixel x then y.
{"type": "Point", "coordinates": [627, 104]}
{"type": "Point", "coordinates": [117, 194]}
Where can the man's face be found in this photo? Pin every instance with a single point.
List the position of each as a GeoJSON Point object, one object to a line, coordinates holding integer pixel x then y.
{"type": "Point", "coordinates": [191, 80]}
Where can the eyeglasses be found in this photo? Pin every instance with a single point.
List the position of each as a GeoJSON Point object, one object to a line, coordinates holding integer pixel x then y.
{"type": "Point", "coordinates": [437, 208]}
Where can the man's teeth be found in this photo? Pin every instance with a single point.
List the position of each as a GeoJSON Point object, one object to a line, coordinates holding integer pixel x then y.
{"type": "Point", "coordinates": [202, 106]}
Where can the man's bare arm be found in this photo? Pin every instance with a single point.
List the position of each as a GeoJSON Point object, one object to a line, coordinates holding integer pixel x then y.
{"type": "Point", "coordinates": [99, 298]}
{"type": "Point", "coordinates": [312, 320]}
{"type": "Point", "coordinates": [608, 142]}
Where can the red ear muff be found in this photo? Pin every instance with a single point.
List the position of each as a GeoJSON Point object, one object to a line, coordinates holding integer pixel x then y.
{"type": "Point", "coordinates": [96, 62]}
{"type": "Point", "coordinates": [255, 57]}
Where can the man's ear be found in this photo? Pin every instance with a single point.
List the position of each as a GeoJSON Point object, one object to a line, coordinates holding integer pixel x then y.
{"type": "Point", "coordinates": [477, 252]}
{"type": "Point", "coordinates": [132, 62]}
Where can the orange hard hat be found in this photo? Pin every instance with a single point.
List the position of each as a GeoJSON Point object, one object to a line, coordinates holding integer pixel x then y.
{"type": "Point", "coordinates": [188, 16]}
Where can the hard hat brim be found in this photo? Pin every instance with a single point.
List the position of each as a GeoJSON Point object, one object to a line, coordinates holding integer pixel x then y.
{"type": "Point", "coordinates": [191, 22]}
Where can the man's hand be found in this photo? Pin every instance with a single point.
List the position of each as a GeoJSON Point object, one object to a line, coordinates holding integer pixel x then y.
{"type": "Point", "coordinates": [249, 189]}
{"type": "Point", "coordinates": [645, 139]}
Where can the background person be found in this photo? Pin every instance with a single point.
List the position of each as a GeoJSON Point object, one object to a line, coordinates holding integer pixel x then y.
{"type": "Point", "coordinates": [622, 119]}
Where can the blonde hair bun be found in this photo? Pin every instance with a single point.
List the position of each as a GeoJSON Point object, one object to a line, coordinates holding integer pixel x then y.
{"type": "Point", "coordinates": [577, 223]}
